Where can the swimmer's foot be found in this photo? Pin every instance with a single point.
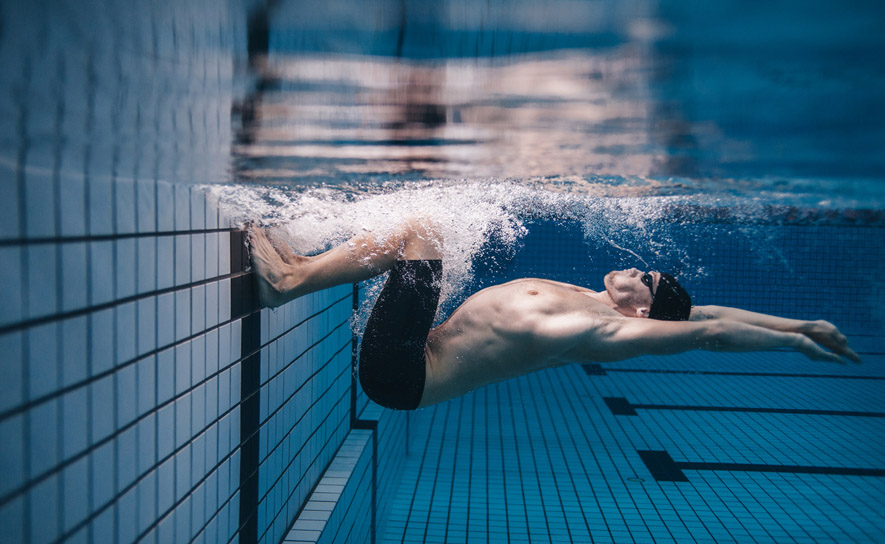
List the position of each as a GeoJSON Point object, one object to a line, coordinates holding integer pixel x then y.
{"type": "Point", "coordinates": [285, 250]}
{"type": "Point", "coordinates": [275, 277]}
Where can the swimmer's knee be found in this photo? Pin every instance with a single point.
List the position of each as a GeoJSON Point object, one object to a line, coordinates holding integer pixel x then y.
{"type": "Point", "coordinates": [422, 227]}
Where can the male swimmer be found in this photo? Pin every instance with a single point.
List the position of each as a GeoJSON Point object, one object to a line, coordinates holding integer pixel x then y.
{"type": "Point", "coordinates": [515, 328]}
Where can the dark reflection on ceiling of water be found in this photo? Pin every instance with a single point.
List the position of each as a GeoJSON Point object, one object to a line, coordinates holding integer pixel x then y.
{"type": "Point", "coordinates": [740, 96]}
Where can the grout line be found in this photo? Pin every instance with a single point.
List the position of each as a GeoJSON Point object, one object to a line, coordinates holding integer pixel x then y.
{"type": "Point", "coordinates": [106, 237]}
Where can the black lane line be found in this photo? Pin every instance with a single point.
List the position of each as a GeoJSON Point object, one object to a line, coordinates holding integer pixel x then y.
{"type": "Point", "coordinates": [244, 304]}
{"type": "Point", "coordinates": [664, 469]}
{"type": "Point", "coordinates": [596, 369]}
{"type": "Point", "coordinates": [620, 406]}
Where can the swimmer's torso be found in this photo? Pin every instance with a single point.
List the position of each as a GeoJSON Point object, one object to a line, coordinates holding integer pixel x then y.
{"type": "Point", "coordinates": [511, 329]}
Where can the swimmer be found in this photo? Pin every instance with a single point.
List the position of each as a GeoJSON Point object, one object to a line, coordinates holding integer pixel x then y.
{"type": "Point", "coordinates": [514, 328]}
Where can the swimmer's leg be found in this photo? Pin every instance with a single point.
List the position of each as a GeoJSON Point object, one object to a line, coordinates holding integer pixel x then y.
{"type": "Point", "coordinates": [281, 280]}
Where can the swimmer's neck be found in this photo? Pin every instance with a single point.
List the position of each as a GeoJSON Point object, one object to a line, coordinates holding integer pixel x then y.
{"type": "Point", "coordinates": [602, 297]}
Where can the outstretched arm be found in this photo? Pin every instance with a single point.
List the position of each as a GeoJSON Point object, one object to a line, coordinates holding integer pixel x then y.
{"type": "Point", "coordinates": [822, 332]}
{"type": "Point", "coordinates": [652, 337]}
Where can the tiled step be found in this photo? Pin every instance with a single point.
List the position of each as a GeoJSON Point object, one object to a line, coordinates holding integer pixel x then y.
{"type": "Point", "coordinates": [339, 508]}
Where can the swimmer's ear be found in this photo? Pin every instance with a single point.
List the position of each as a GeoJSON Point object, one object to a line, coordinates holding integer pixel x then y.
{"type": "Point", "coordinates": [642, 311]}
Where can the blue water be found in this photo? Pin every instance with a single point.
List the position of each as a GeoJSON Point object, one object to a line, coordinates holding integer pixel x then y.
{"type": "Point", "coordinates": [782, 103]}
{"type": "Point", "coordinates": [735, 144]}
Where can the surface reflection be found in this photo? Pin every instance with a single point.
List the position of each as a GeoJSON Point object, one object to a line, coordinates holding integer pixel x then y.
{"type": "Point", "coordinates": [572, 114]}
{"type": "Point", "coordinates": [645, 96]}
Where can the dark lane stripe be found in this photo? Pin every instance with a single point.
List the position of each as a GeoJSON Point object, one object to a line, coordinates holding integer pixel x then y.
{"type": "Point", "coordinates": [620, 406]}
{"type": "Point", "coordinates": [244, 305]}
{"type": "Point", "coordinates": [596, 369]}
{"type": "Point", "coordinates": [664, 469]}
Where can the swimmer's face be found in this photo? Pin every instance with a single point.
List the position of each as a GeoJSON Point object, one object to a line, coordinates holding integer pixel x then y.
{"type": "Point", "coordinates": [632, 290]}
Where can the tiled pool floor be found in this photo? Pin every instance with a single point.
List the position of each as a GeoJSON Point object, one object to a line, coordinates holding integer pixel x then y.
{"type": "Point", "coordinates": [768, 446]}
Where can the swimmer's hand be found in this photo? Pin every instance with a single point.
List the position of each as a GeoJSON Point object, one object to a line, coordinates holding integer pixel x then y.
{"type": "Point", "coordinates": [827, 335]}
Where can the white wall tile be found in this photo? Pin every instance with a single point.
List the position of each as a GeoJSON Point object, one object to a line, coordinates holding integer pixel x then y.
{"type": "Point", "coordinates": [211, 415]}
{"type": "Point", "coordinates": [165, 207]}
{"type": "Point", "coordinates": [102, 478]}
{"type": "Point", "coordinates": [72, 196]}
{"type": "Point", "coordinates": [126, 396]}
{"type": "Point", "coordinates": [223, 301]}
{"type": "Point", "coordinates": [212, 255]}
{"type": "Point", "coordinates": [147, 453]}
{"type": "Point", "coordinates": [182, 207]}
{"type": "Point", "coordinates": [198, 414]}
{"type": "Point", "coordinates": [182, 433]}
{"type": "Point", "coordinates": [101, 326]}
{"type": "Point", "coordinates": [12, 451]}
{"type": "Point", "coordinates": [125, 267]}
{"type": "Point", "coordinates": [100, 206]}
{"type": "Point", "coordinates": [211, 304]}
{"type": "Point", "coordinates": [45, 492]}
{"type": "Point", "coordinates": [102, 393]}
{"type": "Point", "coordinates": [75, 419]}
{"type": "Point", "coordinates": [126, 443]}
{"type": "Point", "coordinates": [223, 253]}
{"type": "Point", "coordinates": [146, 205]}
{"type": "Point", "coordinates": [147, 324]}
{"type": "Point", "coordinates": [165, 262]}
{"type": "Point", "coordinates": [183, 511]}
{"type": "Point", "coordinates": [147, 264]}
{"type": "Point", "coordinates": [9, 209]}
{"type": "Point", "coordinates": [101, 272]}
{"type": "Point", "coordinates": [43, 367]}
{"type": "Point", "coordinates": [166, 479]}
{"type": "Point", "coordinates": [165, 375]}
{"type": "Point", "coordinates": [198, 359]}
{"type": "Point", "coordinates": [43, 445]}
{"type": "Point", "coordinates": [182, 367]}
{"type": "Point", "coordinates": [211, 212]}
{"type": "Point", "coordinates": [198, 257]}
{"type": "Point", "coordinates": [74, 278]}
{"type": "Point", "coordinates": [182, 259]}
{"type": "Point", "coordinates": [75, 480]}
{"type": "Point", "coordinates": [236, 329]}
{"type": "Point", "coordinates": [198, 309]}
{"type": "Point", "coordinates": [224, 353]}
{"type": "Point", "coordinates": [182, 314]}
{"type": "Point", "coordinates": [124, 207]}
{"type": "Point", "coordinates": [42, 284]}
{"type": "Point", "coordinates": [12, 387]}
{"type": "Point", "coordinates": [126, 508]}
{"type": "Point", "coordinates": [11, 294]}
{"type": "Point", "coordinates": [39, 205]}
{"type": "Point", "coordinates": [165, 319]}
{"type": "Point", "coordinates": [125, 332]}
{"type": "Point", "coordinates": [212, 352]}
{"type": "Point", "coordinates": [146, 376]}
{"type": "Point", "coordinates": [198, 208]}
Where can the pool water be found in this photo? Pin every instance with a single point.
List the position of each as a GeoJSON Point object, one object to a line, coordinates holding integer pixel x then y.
{"type": "Point", "coordinates": [145, 397]}
{"type": "Point", "coordinates": [741, 159]}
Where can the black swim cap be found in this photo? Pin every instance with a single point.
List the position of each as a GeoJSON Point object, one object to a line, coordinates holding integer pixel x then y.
{"type": "Point", "coordinates": [672, 302]}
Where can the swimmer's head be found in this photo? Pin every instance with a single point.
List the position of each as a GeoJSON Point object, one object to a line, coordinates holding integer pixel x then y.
{"type": "Point", "coordinates": [648, 294]}
{"type": "Point", "coordinates": [671, 301]}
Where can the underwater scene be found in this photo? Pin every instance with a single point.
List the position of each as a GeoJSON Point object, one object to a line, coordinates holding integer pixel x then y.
{"type": "Point", "coordinates": [160, 381]}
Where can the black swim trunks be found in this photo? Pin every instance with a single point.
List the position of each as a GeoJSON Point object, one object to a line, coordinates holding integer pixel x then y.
{"type": "Point", "coordinates": [391, 367]}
